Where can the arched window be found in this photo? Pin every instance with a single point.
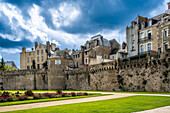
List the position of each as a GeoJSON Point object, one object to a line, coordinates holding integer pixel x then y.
{"type": "Point", "coordinates": [149, 46]}
{"type": "Point", "coordinates": [149, 35]}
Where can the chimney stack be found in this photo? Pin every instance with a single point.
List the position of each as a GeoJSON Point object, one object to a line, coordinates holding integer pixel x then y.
{"type": "Point", "coordinates": [168, 5]}
{"type": "Point", "coordinates": [36, 45]}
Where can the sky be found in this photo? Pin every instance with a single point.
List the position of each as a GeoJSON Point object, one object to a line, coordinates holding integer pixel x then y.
{"type": "Point", "coordinates": [67, 23]}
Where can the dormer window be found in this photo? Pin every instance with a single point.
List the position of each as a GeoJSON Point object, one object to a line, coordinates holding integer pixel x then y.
{"type": "Point", "coordinates": [143, 25]}
{"type": "Point", "coordinates": [150, 23]}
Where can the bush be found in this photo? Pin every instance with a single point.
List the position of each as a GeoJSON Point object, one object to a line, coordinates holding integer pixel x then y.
{"type": "Point", "coordinates": [59, 91]}
{"type": "Point", "coordinates": [29, 93]}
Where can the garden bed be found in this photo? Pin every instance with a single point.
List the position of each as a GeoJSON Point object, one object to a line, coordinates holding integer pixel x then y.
{"type": "Point", "coordinates": [29, 95]}
{"type": "Point", "coordinates": [43, 97]}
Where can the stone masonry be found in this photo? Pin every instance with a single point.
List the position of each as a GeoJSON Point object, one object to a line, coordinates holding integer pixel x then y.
{"type": "Point", "coordinates": [141, 75]}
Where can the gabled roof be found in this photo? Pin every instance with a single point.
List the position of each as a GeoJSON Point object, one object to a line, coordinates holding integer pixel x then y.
{"type": "Point", "coordinates": [114, 43]}
{"type": "Point", "coordinates": [114, 51]}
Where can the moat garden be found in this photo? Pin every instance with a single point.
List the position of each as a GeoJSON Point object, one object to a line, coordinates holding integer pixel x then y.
{"type": "Point", "coordinates": [68, 101]}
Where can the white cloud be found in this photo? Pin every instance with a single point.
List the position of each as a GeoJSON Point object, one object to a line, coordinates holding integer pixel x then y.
{"type": "Point", "coordinates": [36, 25]}
{"type": "Point", "coordinates": [10, 50]}
{"type": "Point", "coordinates": [55, 42]}
{"type": "Point", "coordinates": [65, 15]}
{"type": "Point", "coordinates": [160, 9]}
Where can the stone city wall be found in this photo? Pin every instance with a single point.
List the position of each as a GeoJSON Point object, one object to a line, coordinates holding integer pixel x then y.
{"type": "Point", "coordinates": [140, 75]}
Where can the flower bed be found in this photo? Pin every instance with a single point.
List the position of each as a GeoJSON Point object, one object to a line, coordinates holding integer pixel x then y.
{"type": "Point", "coordinates": [29, 95]}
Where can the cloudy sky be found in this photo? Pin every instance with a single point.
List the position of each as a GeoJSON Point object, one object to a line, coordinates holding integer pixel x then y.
{"type": "Point", "coordinates": [68, 23]}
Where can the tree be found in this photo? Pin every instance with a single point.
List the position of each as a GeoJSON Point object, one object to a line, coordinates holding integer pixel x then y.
{"type": "Point", "coordinates": [9, 68]}
{"type": "Point", "coordinates": [2, 66]}
{"type": "Point", "coordinates": [33, 64]}
{"type": "Point", "coordinates": [45, 65]}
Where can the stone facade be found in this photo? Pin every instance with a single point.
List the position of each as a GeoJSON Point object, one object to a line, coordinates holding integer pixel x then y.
{"type": "Point", "coordinates": [39, 55]}
{"type": "Point", "coordinates": [149, 35]}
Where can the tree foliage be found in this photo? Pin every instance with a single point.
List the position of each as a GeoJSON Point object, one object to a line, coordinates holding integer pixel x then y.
{"type": "Point", "coordinates": [2, 66]}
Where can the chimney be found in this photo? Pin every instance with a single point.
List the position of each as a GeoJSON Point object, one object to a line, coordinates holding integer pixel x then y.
{"type": "Point", "coordinates": [82, 48]}
{"type": "Point", "coordinates": [53, 46]}
{"type": "Point", "coordinates": [23, 50]}
{"type": "Point", "coordinates": [48, 47]}
{"type": "Point", "coordinates": [73, 51]}
{"type": "Point", "coordinates": [36, 45]}
{"type": "Point", "coordinates": [168, 5]}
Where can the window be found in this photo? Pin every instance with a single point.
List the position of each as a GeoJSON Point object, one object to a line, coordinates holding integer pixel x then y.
{"type": "Point", "coordinates": [142, 48]}
{"type": "Point", "coordinates": [29, 54]}
{"type": "Point", "coordinates": [165, 34]}
{"type": "Point", "coordinates": [166, 46]}
{"type": "Point", "coordinates": [28, 67]}
{"type": "Point", "coordinates": [86, 52]}
{"type": "Point", "coordinates": [133, 46]}
{"type": "Point", "coordinates": [71, 62]}
{"type": "Point", "coordinates": [37, 52]}
{"type": "Point", "coordinates": [28, 60]}
{"type": "Point", "coordinates": [31, 58]}
{"type": "Point", "coordinates": [38, 66]}
{"type": "Point", "coordinates": [142, 36]}
{"type": "Point", "coordinates": [149, 35]}
{"type": "Point", "coordinates": [113, 57]}
{"type": "Point", "coordinates": [48, 62]}
{"type": "Point", "coordinates": [78, 55]}
{"type": "Point", "coordinates": [42, 59]}
{"type": "Point", "coordinates": [149, 46]}
{"type": "Point", "coordinates": [37, 59]}
{"type": "Point", "coordinates": [97, 42]}
{"type": "Point", "coordinates": [40, 46]}
{"type": "Point", "coordinates": [57, 61]}
{"type": "Point", "coordinates": [150, 23]}
{"type": "Point", "coordinates": [42, 51]}
{"type": "Point", "coordinates": [86, 61]}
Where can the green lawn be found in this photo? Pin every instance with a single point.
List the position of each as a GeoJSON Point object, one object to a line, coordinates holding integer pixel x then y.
{"type": "Point", "coordinates": [121, 105]}
{"type": "Point", "coordinates": [49, 99]}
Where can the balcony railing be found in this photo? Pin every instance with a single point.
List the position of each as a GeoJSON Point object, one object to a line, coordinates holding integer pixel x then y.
{"type": "Point", "coordinates": [151, 53]}
{"type": "Point", "coordinates": [145, 39]}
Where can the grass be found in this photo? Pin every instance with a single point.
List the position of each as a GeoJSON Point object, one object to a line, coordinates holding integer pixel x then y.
{"type": "Point", "coordinates": [167, 93]}
{"type": "Point", "coordinates": [49, 99]}
{"type": "Point", "coordinates": [120, 105]}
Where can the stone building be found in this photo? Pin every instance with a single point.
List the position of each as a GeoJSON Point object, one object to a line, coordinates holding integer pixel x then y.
{"type": "Point", "coordinates": [78, 57]}
{"type": "Point", "coordinates": [163, 32]}
{"type": "Point", "coordinates": [149, 36]}
{"type": "Point", "coordinates": [132, 36]}
{"type": "Point", "coordinates": [39, 55]}
{"type": "Point", "coordinates": [96, 46]}
{"type": "Point", "coordinates": [95, 51]}
{"type": "Point", "coordinates": [60, 60]}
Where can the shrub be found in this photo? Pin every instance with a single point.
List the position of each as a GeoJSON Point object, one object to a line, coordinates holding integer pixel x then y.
{"type": "Point", "coordinates": [59, 91]}
{"type": "Point", "coordinates": [73, 94]}
{"type": "Point", "coordinates": [29, 93]}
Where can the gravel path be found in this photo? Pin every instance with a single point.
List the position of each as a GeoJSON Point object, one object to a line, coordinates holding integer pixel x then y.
{"type": "Point", "coordinates": [72, 101]}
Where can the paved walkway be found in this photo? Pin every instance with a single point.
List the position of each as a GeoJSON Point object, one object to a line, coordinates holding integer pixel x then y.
{"type": "Point", "coordinates": [165, 109]}
{"type": "Point", "coordinates": [71, 101]}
